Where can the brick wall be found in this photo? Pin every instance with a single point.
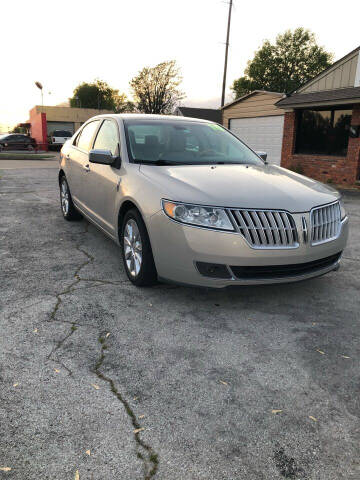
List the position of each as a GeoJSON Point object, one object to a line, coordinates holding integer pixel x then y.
{"type": "Point", "coordinates": [38, 128]}
{"type": "Point", "coordinates": [340, 170]}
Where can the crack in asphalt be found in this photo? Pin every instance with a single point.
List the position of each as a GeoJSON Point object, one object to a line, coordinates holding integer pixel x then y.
{"type": "Point", "coordinates": [69, 289]}
{"type": "Point", "coordinates": [59, 344]}
{"type": "Point", "coordinates": [76, 276]}
{"type": "Point", "coordinates": [144, 452]}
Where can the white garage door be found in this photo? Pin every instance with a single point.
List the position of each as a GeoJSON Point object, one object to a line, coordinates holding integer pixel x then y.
{"type": "Point", "coordinates": [261, 134]}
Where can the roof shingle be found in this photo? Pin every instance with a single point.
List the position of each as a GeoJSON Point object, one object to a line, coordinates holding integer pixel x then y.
{"type": "Point", "coordinates": [350, 93]}
{"type": "Point", "coordinates": [211, 114]}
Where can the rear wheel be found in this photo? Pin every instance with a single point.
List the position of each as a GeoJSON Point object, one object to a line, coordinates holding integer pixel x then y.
{"type": "Point", "coordinates": [136, 249]}
{"type": "Point", "coordinates": [67, 206]}
{"type": "Point", "coordinates": [30, 148]}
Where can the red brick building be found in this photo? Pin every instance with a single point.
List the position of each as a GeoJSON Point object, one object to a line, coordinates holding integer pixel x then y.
{"type": "Point", "coordinates": [321, 136]}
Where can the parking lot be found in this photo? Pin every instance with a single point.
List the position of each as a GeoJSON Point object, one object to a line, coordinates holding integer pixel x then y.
{"type": "Point", "coordinates": [103, 381]}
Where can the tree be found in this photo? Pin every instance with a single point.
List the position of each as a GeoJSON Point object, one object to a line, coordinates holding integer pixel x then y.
{"type": "Point", "coordinates": [100, 95]}
{"type": "Point", "coordinates": [155, 89]}
{"type": "Point", "coordinates": [18, 129]}
{"type": "Point", "coordinates": [122, 104]}
{"type": "Point", "coordinates": [294, 59]}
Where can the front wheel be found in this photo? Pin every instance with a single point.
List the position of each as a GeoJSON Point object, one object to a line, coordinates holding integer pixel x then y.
{"type": "Point", "coordinates": [67, 206]}
{"type": "Point", "coordinates": [136, 249]}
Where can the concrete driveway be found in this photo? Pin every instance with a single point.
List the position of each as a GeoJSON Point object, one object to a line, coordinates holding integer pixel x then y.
{"type": "Point", "coordinates": [104, 381]}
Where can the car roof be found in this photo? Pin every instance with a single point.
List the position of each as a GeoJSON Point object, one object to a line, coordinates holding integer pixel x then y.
{"type": "Point", "coordinates": [146, 116]}
{"type": "Point", "coordinates": [11, 134]}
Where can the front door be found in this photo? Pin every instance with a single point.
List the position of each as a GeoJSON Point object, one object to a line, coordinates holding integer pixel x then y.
{"type": "Point", "coordinates": [77, 161]}
{"type": "Point", "coordinates": [12, 142]}
{"type": "Point", "coordinates": [102, 181]}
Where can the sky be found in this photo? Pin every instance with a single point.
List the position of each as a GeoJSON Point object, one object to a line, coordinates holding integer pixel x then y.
{"type": "Point", "coordinates": [66, 42]}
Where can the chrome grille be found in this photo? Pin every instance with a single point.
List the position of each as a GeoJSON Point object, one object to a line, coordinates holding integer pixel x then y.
{"type": "Point", "coordinates": [266, 228]}
{"type": "Point", "coordinates": [325, 223]}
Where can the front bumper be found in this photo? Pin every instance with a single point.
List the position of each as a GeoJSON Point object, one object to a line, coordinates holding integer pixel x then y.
{"type": "Point", "coordinates": [177, 248]}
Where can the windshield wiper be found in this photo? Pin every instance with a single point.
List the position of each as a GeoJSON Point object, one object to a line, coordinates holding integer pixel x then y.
{"type": "Point", "coordinates": [159, 162]}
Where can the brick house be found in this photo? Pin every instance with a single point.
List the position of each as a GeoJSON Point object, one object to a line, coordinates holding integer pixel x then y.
{"type": "Point", "coordinates": [322, 124]}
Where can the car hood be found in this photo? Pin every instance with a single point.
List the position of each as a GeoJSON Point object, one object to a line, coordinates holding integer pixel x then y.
{"type": "Point", "coordinates": [243, 186]}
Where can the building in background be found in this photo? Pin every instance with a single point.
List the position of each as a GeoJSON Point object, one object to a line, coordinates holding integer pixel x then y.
{"type": "Point", "coordinates": [44, 120]}
{"type": "Point", "coordinates": [256, 120]}
{"type": "Point", "coordinates": [212, 114]}
{"type": "Point", "coordinates": [322, 124]}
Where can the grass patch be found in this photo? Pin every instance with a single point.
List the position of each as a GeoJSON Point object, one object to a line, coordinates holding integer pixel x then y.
{"type": "Point", "coordinates": [25, 156]}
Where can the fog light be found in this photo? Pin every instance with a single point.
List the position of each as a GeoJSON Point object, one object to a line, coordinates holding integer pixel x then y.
{"type": "Point", "coordinates": [214, 270]}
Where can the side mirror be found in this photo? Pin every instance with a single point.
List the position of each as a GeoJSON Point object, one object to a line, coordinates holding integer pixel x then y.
{"type": "Point", "coordinates": [104, 157]}
{"type": "Point", "coordinates": [262, 155]}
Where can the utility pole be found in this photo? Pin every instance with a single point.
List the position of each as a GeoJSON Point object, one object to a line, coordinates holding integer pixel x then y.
{"type": "Point", "coordinates": [40, 87]}
{"type": "Point", "coordinates": [226, 54]}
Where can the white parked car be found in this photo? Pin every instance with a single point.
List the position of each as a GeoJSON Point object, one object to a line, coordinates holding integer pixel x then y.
{"type": "Point", "coordinates": [57, 138]}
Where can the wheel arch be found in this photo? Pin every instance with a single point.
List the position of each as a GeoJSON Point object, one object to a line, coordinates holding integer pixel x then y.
{"type": "Point", "coordinates": [124, 208]}
{"type": "Point", "coordinates": [61, 174]}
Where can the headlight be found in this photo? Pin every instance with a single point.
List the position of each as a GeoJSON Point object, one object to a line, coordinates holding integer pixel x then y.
{"type": "Point", "coordinates": [210, 217]}
{"type": "Point", "coordinates": [342, 209]}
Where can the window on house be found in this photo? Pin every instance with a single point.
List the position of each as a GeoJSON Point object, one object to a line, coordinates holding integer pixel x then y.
{"type": "Point", "coordinates": [323, 132]}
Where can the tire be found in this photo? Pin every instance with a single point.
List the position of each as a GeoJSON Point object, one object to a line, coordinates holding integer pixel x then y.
{"type": "Point", "coordinates": [67, 206]}
{"type": "Point", "coordinates": [30, 148]}
{"type": "Point", "coordinates": [141, 273]}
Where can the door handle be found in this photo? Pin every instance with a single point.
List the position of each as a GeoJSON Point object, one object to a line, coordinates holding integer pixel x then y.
{"type": "Point", "coordinates": [87, 168]}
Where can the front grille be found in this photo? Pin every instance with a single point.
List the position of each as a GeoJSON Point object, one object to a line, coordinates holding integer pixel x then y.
{"type": "Point", "coordinates": [266, 228]}
{"type": "Point", "coordinates": [325, 223]}
{"type": "Point", "coordinates": [280, 271]}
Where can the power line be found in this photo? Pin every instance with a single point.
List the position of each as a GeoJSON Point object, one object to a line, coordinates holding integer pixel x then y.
{"type": "Point", "coordinates": [226, 54]}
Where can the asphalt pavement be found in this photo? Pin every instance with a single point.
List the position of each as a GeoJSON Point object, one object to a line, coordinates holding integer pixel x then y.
{"type": "Point", "coordinates": [100, 380]}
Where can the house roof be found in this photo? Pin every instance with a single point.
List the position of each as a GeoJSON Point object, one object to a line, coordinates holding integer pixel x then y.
{"type": "Point", "coordinates": [337, 95]}
{"type": "Point", "coordinates": [345, 95]}
{"type": "Point", "coordinates": [212, 114]}
{"type": "Point", "coordinates": [331, 67]}
{"type": "Point", "coordinates": [254, 92]}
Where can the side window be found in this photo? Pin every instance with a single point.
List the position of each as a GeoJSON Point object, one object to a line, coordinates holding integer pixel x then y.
{"type": "Point", "coordinates": [76, 140]}
{"type": "Point", "coordinates": [107, 137]}
{"type": "Point", "coordinates": [86, 136]}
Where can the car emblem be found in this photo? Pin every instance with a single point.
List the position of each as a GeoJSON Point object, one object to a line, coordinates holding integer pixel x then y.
{"type": "Point", "coordinates": [304, 229]}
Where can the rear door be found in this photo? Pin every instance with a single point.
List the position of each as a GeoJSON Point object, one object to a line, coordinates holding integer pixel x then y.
{"type": "Point", "coordinates": [103, 180]}
{"type": "Point", "coordinates": [22, 142]}
{"type": "Point", "coordinates": [77, 161]}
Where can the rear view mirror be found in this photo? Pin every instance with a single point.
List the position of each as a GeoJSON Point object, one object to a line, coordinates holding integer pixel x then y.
{"type": "Point", "coordinates": [104, 157]}
{"type": "Point", "coordinates": [262, 155]}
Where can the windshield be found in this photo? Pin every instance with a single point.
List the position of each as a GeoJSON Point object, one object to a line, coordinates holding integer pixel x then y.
{"type": "Point", "coordinates": [162, 142]}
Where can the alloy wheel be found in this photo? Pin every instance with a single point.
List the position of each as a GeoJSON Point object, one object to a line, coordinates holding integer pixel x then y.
{"type": "Point", "coordinates": [132, 248]}
{"type": "Point", "coordinates": [64, 196]}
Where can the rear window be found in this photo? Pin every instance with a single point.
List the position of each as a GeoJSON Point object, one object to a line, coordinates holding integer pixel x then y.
{"type": "Point", "coordinates": [61, 133]}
